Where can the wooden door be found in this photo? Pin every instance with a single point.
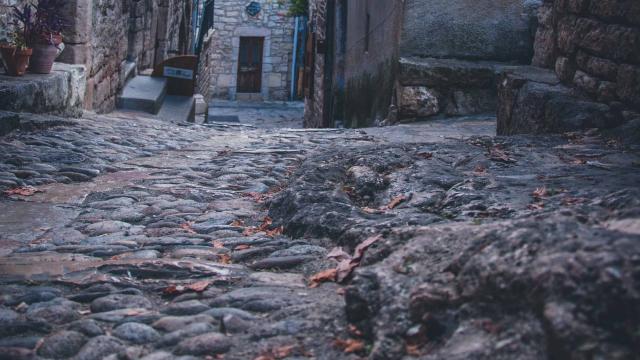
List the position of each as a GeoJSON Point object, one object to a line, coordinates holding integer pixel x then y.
{"type": "Point", "coordinates": [250, 64]}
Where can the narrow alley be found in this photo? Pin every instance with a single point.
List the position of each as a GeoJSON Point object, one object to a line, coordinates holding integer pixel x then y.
{"type": "Point", "coordinates": [322, 179]}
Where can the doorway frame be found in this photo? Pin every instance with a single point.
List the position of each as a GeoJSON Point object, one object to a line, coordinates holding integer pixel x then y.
{"type": "Point", "coordinates": [267, 65]}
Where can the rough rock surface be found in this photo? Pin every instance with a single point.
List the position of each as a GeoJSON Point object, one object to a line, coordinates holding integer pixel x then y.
{"type": "Point", "coordinates": [148, 240]}
{"type": "Point", "coordinates": [61, 92]}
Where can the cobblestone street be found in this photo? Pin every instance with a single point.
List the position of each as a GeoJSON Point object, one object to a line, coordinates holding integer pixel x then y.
{"type": "Point", "coordinates": [131, 238]}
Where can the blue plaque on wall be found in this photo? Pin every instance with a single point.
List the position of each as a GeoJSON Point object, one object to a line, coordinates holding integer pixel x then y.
{"type": "Point", "coordinates": [253, 8]}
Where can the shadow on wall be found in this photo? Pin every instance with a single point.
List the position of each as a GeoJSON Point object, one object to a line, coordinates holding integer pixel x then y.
{"type": "Point", "coordinates": [368, 96]}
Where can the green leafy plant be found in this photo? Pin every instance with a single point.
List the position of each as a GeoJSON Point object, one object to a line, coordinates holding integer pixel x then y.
{"type": "Point", "coordinates": [298, 7]}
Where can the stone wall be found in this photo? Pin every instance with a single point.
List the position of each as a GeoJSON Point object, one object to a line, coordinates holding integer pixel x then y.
{"type": "Point", "coordinates": [314, 105]}
{"type": "Point", "coordinates": [371, 59]}
{"type": "Point", "coordinates": [205, 65]}
{"type": "Point", "coordinates": [498, 30]}
{"type": "Point", "coordinates": [593, 46]}
{"type": "Point", "coordinates": [111, 37]}
{"type": "Point", "coordinates": [232, 22]}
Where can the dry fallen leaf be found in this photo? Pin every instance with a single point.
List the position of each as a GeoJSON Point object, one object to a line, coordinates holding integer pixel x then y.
{"type": "Point", "coordinates": [570, 200]}
{"type": "Point", "coordinates": [199, 286]}
{"type": "Point", "coordinates": [237, 222]}
{"type": "Point", "coordinates": [217, 244]}
{"type": "Point", "coordinates": [242, 247]}
{"type": "Point", "coordinates": [369, 210]}
{"type": "Point", "coordinates": [539, 193]}
{"type": "Point", "coordinates": [283, 351]}
{"type": "Point", "coordinates": [22, 191]}
{"type": "Point", "coordinates": [412, 350]}
{"type": "Point", "coordinates": [338, 254]}
{"type": "Point", "coordinates": [322, 276]}
{"type": "Point", "coordinates": [480, 170]}
{"type": "Point", "coordinates": [396, 201]}
{"type": "Point", "coordinates": [349, 345]}
{"type": "Point", "coordinates": [224, 258]}
{"type": "Point", "coordinates": [347, 265]}
{"type": "Point", "coordinates": [496, 153]}
{"type": "Point", "coordinates": [187, 227]}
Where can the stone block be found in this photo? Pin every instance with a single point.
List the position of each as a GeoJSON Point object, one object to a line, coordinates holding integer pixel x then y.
{"type": "Point", "coordinates": [60, 92]}
{"type": "Point", "coordinates": [526, 106]}
{"type": "Point", "coordinates": [544, 47]}
{"type": "Point", "coordinates": [471, 101]}
{"type": "Point", "coordinates": [585, 82]}
{"type": "Point", "coordinates": [600, 67]}
{"type": "Point", "coordinates": [628, 84]}
{"type": "Point", "coordinates": [611, 41]}
{"type": "Point", "coordinates": [446, 73]}
{"type": "Point", "coordinates": [80, 14]}
{"type": "Point", "coordinates": [616, 9]}
{"type": "Point", "coordinates": [565, 69]}
{"type": "Point", "coordinates": [9, 121]}
{"type": "Point", "coordinates": [417, 101]}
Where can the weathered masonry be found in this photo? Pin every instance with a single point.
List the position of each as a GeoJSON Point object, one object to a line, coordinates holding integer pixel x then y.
{"type": "Point", "coordinates": [114, 38]}
{"type": "Point", "coordinates": [249, 53]}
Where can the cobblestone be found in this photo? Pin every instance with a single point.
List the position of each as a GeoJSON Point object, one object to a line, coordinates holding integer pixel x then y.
{"type": "Point", "coordinates": [202, 240]}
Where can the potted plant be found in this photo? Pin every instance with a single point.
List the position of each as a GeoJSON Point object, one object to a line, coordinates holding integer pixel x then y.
{"type": "Point", "coordinates": [49, 22]}
{"type": "Point", "coordinates": [16, 54]}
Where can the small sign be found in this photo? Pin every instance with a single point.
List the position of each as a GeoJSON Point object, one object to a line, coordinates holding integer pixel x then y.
{"type": "Point", "coordinates": [178, 73]}
{"type": "Point", "coordinates": [253, 8]}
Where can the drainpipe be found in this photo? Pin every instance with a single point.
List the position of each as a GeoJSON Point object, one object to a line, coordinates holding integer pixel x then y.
{"type": "Point", "coordinates": [295, 60]}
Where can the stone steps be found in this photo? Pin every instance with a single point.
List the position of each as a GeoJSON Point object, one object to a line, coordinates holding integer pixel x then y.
{"type": "Point", "coordinates": [178, 109]}
{"type": "Point", "coordinates": [143, 93]}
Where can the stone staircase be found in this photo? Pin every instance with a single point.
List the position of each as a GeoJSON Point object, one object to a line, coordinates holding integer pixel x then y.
{"type": "Point", "coordinates": [149, 94]}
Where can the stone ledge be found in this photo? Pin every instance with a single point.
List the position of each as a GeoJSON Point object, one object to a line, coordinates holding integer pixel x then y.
{"type": "Point", "coordinates": [61, 92]}
{"type": "Point", "coordinates": [533, 101]}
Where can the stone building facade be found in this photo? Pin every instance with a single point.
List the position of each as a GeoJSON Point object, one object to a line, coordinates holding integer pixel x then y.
{"type": "Point", "coordinates": [593, 46]}
{"type": "Point", "coordinates": [113, 37]}
{"type": "Point", "coordinates": [381, 35]}
{"type": "Point", "coordinates": [272, 27]}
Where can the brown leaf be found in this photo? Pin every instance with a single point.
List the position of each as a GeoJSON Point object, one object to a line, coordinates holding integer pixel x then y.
{"type": "Point", "coordinates": [277, 231]}
{"type": "Point", "coordinates": [570, 200]}
{"type": "Point", "coordinates": [346, 266]}
{"type": "Point", "coordinates": [496, 153]}
{"type": "Point", "coordinates": [199, 286]}
{"type": "Point", "coordinates": [396, 201]}
{"type": "Point", "coordinates": [338, 254]}
{"type": "Point", "coordinates": [413, 350]}
{"type": "Point", "coordinates": [480, 170]}
{"type": "Point", "coordinates": [539, 193]}
{"type": "Point", "coordinates": [242, 247]}
{"type": "Point", "coordinates": [322, 276]}
{"type": "Point", "coordinates": [369, 210]}
{"type": "Point", "coordinates": [187, 227]}
{"type": "Point", "coordinates": [363, 246]}
{"type": "Point", "coordinates": [217, 244]}
{"type": "Point", "coordinates": [237, 222]}
{"type": "Point", "coordinates": [349, 345]}
{"type": "Point", "coordinates": [173, 289]}
{"type": "Point", "coordinates": [354, 330]}
{"type": "Point", "coordinates": [224, 258]}
{"type": "Point", "coordinates": [22, 191]}
{"type": "Point", "coordinates": [283, 351]}
{"type": "Point", "coordinates": [344, 269]}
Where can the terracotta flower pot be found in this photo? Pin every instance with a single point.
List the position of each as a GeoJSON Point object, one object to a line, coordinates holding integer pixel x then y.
{"type": "Point", "coordinates": [16, 60]}
{"type": "Point", "coordinates": [44, 54]}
